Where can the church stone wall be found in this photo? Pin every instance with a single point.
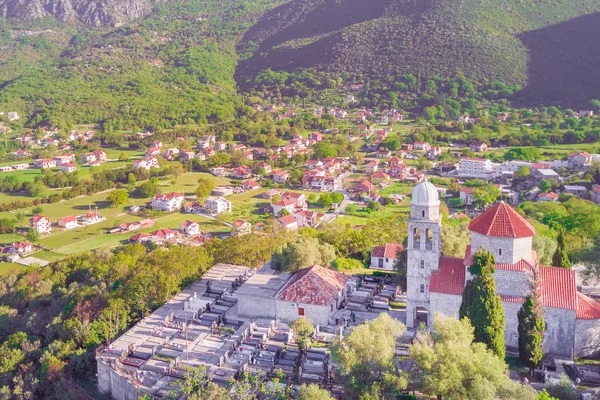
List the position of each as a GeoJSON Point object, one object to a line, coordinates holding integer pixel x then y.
{"type": "Point", "coordinates": [512, 283]}
{"type": "Point", "coordinates": [587, 337]}
{"type": "Point", "coordinates": [560, 331]}
{"type": "Point", "coordinates": [511, 333]}
{"type": "Point", "coordinates": [513, 250]}
{"type": "Point", "coordinates": [447, 304]}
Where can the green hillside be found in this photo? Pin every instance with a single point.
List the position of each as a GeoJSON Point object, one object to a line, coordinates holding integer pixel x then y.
{"type": "Point", "coordinates": [514, 42]}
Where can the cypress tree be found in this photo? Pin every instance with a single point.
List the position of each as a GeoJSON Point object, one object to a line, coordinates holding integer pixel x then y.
{"type": "Point", "coordinates": [531, 334]}
{"type": "Point", "coordinates": [560, 257]}
{"type": "Point", "coordinates": [486, 312]}
{"type": "Point", "coordinates": [467, 300]}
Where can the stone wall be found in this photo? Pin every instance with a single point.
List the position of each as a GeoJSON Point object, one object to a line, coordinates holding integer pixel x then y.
{"type": "Point", "coordinates": [559, 339]}
{"type": "Point", "coordinates": [587, 337]}
{"type": "Point", "coordinates": [111, 382]}
{"type": "Point", "coordinates": [513, 250]}
{"type": "Point", "coordinates": [511, 333]}
{"type": "Point", "coordinates": [256, 306]}
{"type": "Point", "coordinates": [447, 304]}
{"type": "Point", "coordinates": [288, 311]}
{"type": "Point", "coordinates": [512, 283]}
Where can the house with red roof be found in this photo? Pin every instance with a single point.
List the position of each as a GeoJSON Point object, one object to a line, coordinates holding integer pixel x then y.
{"type": "Point", "coordinates": [435, 282]}
{"type": "Point", "coordinates": [190, 228]}
{"type": "Point", "coordinates": [68, 222]}
{"type": "Point", "coordinates": [283, 204]}
{"type": "Point", "coordinates": [250, 185]}
{"type": "Point", "coordinates": [579, 159]}
{"type": "Point", "coordinates": [550, 196]}
{"type": "Point", "coordinates": [385, 257]}
{"type": "Point", "coordinates": [139, 238]}
{"type": "Point", "coordinates": [241, 228]}
{"type": "Point", "coordinates": [40, 224]}
{"type": "Point", "coordinates": [288, 222]}
{"type": "Point", "coordinates": [167, 202]}
{"type": "Point", "coordinates": [20, 248]}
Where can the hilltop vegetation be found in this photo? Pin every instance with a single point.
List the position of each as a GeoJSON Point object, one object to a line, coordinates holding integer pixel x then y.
{"type": "Point", "coordinates": [517, 43]}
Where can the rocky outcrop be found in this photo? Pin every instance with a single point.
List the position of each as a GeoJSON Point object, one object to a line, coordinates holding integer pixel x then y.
{"type": "Point", "coordinates": [90, 12]}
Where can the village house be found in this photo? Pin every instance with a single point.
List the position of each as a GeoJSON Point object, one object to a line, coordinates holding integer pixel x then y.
{"type": "Point", "coordinates": [170, 154]}
{"type": "Point", "coordinates": [265, 166]}
{"type": "Point", "coordinates": [146, 163]}
{"type": "Point", "coordinates": [324, 183]}
{"type": "Point", "coordinates": [68, 222]}
{"type": "Point", "coordinates": [288, 222]}
{"type": "Point", "coordinates": [379, 177]}
{"type": "Point", "coordinates": [217, 205]}
{"type": "Point", "coordinates": [309, 218]}
{"type": "Point", "coordinates": [241, 228]}
{"type": "Point", "coordinates": [316, 136]}
{"type": "Point", "coordinates": [475, 167]}
{"type": "Point", "coordinates": [478, 146]}
{"type": "Point", "coordinates": [579, 159]}
{"type": "Point", "coordinates": [385, 257]}
{"type": "Point", "coordinates": [64, 159]}
{"type": "Point", "coordinates": [190, 228]}
{"type": "Point", "coordinates": [269, 194]}
{"type": "Point", "coordinates": [595, 194]}
{"type": "Point", "coordinates": [365, 188]}
{"type": "Point", "coordinates": [280, 176]}
{"type": "Point", "coordinates": [21, 153]}
{"type": "Point", "coordinates": [241, 172]}
{"type": "Point", "coordinates": [193, 207]}
{"type": "Point", "coordinates": [20, 248]}
{"type": "Point", "coordinates": [546, 174]}
{"type": "Point", "coordinates": [91, 217]}
{"type": "Point", "coordinates": [422, 146]}
{"type": "Point", "coordinates": [576, 190]}
{"type": "Point", "coordinates": [69, 167]}
{"type": "Point", "coordinates": [220, 146]}
{"type": "Point", "coordinates": [187, 155]}
{"type": "Point", "coordinates": [434, 152]}
{"type": "Point", "coordinates": [298, 198]}
{"type": "Point", "coordinates": [550, 196]}
{"type": "Point", "coordinates": [250, 185]}
{"type": "Point", "coordinates": [162, 235]}
{"type": "Point", "coordinates": [152, 151]}
{"type": "Point", "coordinates": [279, 206]}
{"type": "Point", "coordinates": [40, 224]}
{"type": "Point", "coordinates": [44, 163]}
{"type": "Point", "coordinates": [139, 238]}
{"type": "Point", "coordinates": [467, 195]}
{"type": "Point", "coordinates": [383, 154]}
{"type": "Point", "coordinates": [200, 156]}
{"type": "Point", "coordinates": [168, 202]}
{"type": "Point", "coordinates": [371, 167]}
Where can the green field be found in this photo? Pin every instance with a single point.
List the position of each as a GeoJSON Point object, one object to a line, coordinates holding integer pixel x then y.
{"type": "Point", "coordinates": [7, 267]}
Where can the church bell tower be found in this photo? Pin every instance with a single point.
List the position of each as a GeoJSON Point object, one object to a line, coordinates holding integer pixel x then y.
{"type": "Point", "coordinates": [423, 251]}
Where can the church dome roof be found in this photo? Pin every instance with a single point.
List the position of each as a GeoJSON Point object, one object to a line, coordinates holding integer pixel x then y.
{"type": "Point", "coordinates": [424, 194]}
{"type": "Point", "coordinates": [501, 220]}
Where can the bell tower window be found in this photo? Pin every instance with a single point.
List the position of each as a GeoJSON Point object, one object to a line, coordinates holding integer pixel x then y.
{"type": "Point", "coordinates": [422, 264]}
{"type": "Point", "coordinates": [423, 213]}
{"type": "Point", "coordinates": [499, 252]}
{"type": "Point", "coordinates": [421, 288]}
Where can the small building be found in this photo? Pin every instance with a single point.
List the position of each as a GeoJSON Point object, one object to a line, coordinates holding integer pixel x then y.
{"type": "Point", "coordinates": [579, 159]}
{"type": "Point", "coordinates": [163, 234]}
{"type": "Point", "coordinates": [595, 194]}
{"type": "Point", "coordinates": [21, 248]}
{"type": "Point", "coordinates": [269, 194]}
{"type": "Point", "coordinates": [576, 190]}
{"type": "Point", "coordinates": [68, 167]}
{"type": "Point", "coordinates": [288, 222]}
{"type": "Point", "coordinates": [91, 217]}
{"type": "Point", "coordinates": [379, 177]}
{"type": "Point", "coordinates": [168, 202]}
{"type": "Point", "coordinates": [546, 174]}
{"type": "Point", "coordinates": [241, 228]}
{"type": "Point", "coordinates": [364, 187]}
{"type": "Point", "coordinates": [385, 257]}
{"type": "Point", "coordinates": [68, 222]}
{"type": "Point", "coordinates": [250, 185]}
{"type": "Point", "coordinates": [550, 196]}
{"type": "Point", "coordinates": [44, 163]}
{"type": "Point", "coordinates": [40, 224]}
{"type": "Point", "coordinates": [280, 176]}
{"type": "Point", "coordinates": [190, 228]}
{"type": "Point", "coordinates": [316, 136]}
{"type": "Point", "coordinates": [283, 204]}
{"type": "Point", "coordinates": [478, 146]}
{"type": "Point", "coordinates": [371, 167]}
{"type": "Point", "coordinates": [139, 238]}
{"type": "Point", "coordinates": [146, 163]}
{"type": "Point", "coordinates": [217, 205]}
{"type": "Point", "coordinates": [467, 195]}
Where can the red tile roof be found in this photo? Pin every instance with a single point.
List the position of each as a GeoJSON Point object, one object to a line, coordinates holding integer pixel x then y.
{"type": "Point", "coordinates": [37, 218]}
{"type": "Point", "coordinates": [501, 220]}
{"type": "Point", "coordinates": [313, 285]}
{"type": "Point", "coordinates": [559, 288]}
{"type": "Point", "coordinates": [167, 196]}
{"type": "Point", "coordinates": [284, 203]}
{"type": "Point", "coordinates": [287, 220]}
{"type": "Point", "coordinates": [390, 250]}
{"type": "Point", "coordinates": [450, 278]}
{"type": "Point", "coordinates": [69, 218]}
{"type": "Point", "coordinates": [587, 308]}
{"type": "Point", "coordinates": [138, 237]}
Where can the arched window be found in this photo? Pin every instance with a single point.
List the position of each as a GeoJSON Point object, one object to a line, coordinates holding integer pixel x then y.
{"type": "Point", "coordinates": [421, 288]}
{"type": "Point", "coordinates": [428, 239]}
{"type": "Point", "coordinates": [499, 252]}
{"type": "Point", "coordinates": [423, 213]}
{"type": "Point", "coordinates": [422, 264]}
{"type": "Point", "coordinates": [416, 238]}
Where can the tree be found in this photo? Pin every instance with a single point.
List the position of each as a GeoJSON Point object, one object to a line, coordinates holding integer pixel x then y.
{"type": "Point", "coordinates": [123, 157]}
{"type": "Point", "coordinates": [531, 334]}
{"type": "Point", "coordinates": [561, 257]}
{"type": "Point", "coordinates": [487, 195]}
{"type": "Point", "coordinates": [486, 311]}
{"type": "Point", "coordinates": [37, 210]}
{"type": "Point", "coordinates": [303, 252]}
{"type": "Point", "coordinates": [523, 172]}
{"type": "Point", "coordinates": [368, 364]}
{"type": "Point", "coordinates": [303, 329]}
{"type": "Point", "coordinates": [391, 143]}
{"type": "Point", "coordinates": [563, 390]}
{"type": "Point", "coordinates": [117, 197]}
{"type": "Point", "coordinates": [373, 206]}
{"type": "Point", "coordinates": [342, 264]}
{"type": "Point", "coordinates": [32, 235]}
{"type": "Point", "coordinates": [454, 366]}
{"type": "Point", "coordinates": [312, 392]}
{"type": "Point", "coordinates": [545, 186]}
{"type": "Point", "coordinates": [337, 197]}
{"type": "Point", "coordinates": [197, 385]}
{"type": "Point", "coordinates": [148, 189]}
{"type": "Point", "coordinates": [205, 187]}
{"type": "Point", "coordinates": [325, 200]}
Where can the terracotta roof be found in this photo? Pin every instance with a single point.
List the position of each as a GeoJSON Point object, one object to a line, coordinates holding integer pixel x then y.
{"type": "Point", "coordinates": [138, 237]}
{"type": "Point", "coordinates": [450, 278]}
{"type": "Point", "coordinates": [239, 223]}
{"type": "Point", "coordinates": [390, 250]}
{"type": "Point", "coordinates": [167, 196]}
{"type": "Point", "coordinates": [467, 190]}
{"type": "Point", "coordinates": [284, 203]}
{"type": "Point", "coordinates": [287, 220]}
{"type": "Point", "coordinates": [502, 221]}
{"type": "Point", "coordinates": [313, 285]}
{"type": "Point", "coordinates": [587, 308]}
{"type": "Point", "coordinates": [37, 218]}
{"type": "Point", "coordinates": [69, 218]}
{"type": "Point", "coordinates": [559, 288]}
{"type": "Point", "coordinates": [551, 195]}
{"type": "Point", "coordinates": [163, 232]}
{"type": "Point", "coordinates": [292, 195]}
{"type": "Point", "coordinates": [188, 223]}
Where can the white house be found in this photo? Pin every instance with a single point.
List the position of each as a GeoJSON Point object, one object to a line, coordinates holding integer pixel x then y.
{"type": "Point", "coordinates": [21, 248]}
{"type": "Point", "coordinates": [68, 222]}
{"type": "Point", "coordinates": [475, 167]}
{"type": "Point", "coordinates": [241, 228]}
{"type": "Point", "coordinates": [168, 202]}
{"type": "Point", "coordinates": [280, 176]}
{"type": "Point", "coordinates": [384, 257]}
{"type": "Point", "coordinates": [217, 205]}
{"type": "Point", "coordinates": [40, 224]}
{"type": "Point", "coordinates": [68, 167]}
{"type": "Point", "coordinates": [284, 204]}
{"type": "Point", "coordinates": [146, 163]}
{"type": "Point", "coordinates": [288, 222]}
{"type": "Point", "coordinates": [190, 228]}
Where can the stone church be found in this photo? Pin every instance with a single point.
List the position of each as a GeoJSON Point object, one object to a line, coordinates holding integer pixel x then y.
{"type": "Point", "coordinates": [435, 282]}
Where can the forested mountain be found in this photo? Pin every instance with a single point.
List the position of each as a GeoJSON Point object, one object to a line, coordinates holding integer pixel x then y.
{"type": "Point", "coordinates": [90, 12]}
{"type": "Point", "coordinates": [548, 47]}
